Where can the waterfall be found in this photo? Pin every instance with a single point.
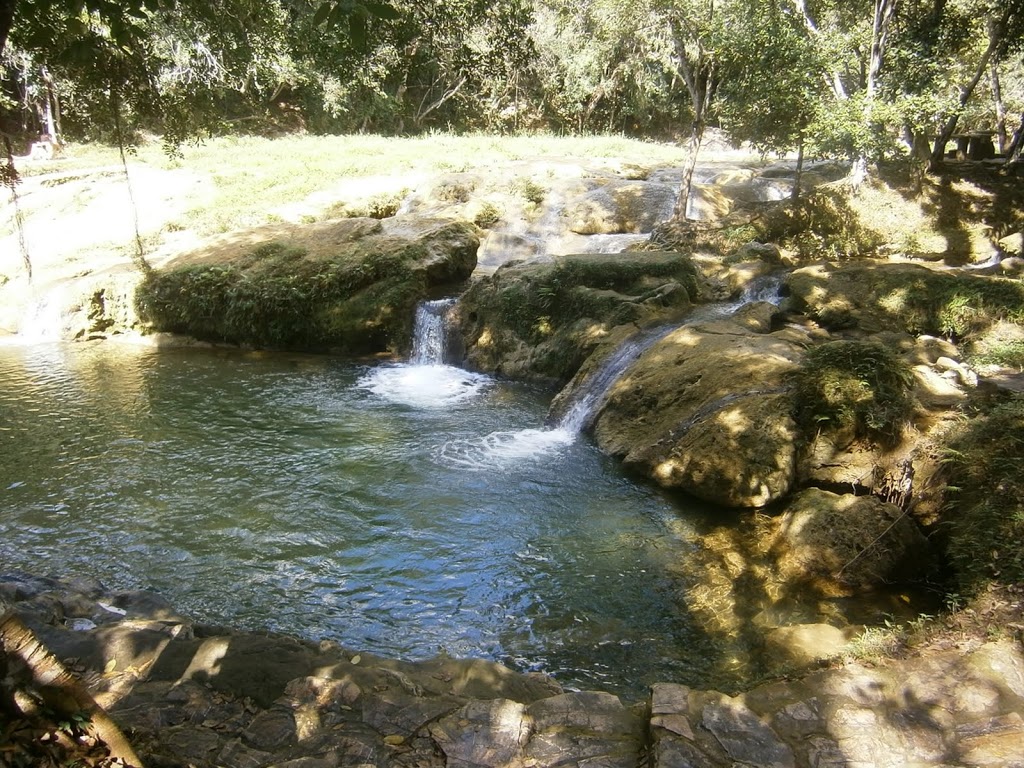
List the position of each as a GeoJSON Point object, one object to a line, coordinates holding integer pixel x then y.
{"type": "Point", "coordinates": [45, 318]}
{"type": "Point", "coordinates": [427, 380]}
{"type": "Point", "coordinates": [588, 396]}
{"type": "Point", "coordinates": [432, 332]}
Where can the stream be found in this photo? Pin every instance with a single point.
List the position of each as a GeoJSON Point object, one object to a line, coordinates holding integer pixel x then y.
{"type": "Point", "coordinates": [400, 509]}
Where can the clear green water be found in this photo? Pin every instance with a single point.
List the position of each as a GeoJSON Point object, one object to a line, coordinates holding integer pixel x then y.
{"type": "Point", "coordinates": [395, 510]}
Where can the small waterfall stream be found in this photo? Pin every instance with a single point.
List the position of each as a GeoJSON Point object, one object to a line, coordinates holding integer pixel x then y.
{"type": "Point", "coordinates": [584, 401]}
{"type": "Point", "coordinates": [427, 381]}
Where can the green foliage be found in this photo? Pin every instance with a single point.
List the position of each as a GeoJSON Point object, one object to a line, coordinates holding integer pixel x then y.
{"type": "Point", "coordinates": [276, 297]}
{"type": "Point", "coordinates": [821, 225]}
{"type": "Point", "coordinates": [1009, 354]}
{"type": "Point", "coordinates": [854, 388]}
{"type": "Point", "coordinates": [984, 518]}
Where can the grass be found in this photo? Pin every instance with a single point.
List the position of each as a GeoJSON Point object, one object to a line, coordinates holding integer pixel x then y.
{"type": "Point", "coordinates": [253, 176]}
{"type": "Point", "coordinates": [860, 389]}
{"type": "Point", "coordinates": [984, 518]}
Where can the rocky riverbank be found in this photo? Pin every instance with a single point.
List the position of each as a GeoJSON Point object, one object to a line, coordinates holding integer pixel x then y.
{"type": "Point", "coordinates": [187, 694]}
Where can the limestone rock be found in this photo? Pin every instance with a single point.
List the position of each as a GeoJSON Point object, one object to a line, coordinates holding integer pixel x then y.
{"type": "Point", "coordinates": [933, 390]}
{"type": "Point", "coordinates": [803, 645]}
{"type": "Point", "coordinates": [878, 296]}
{"type": "Point", "coordinates": [490, 734]}
{"type": "Point", "coordinates": [705, 410]}
{"type": "Point", "coordinates": [350, 285]}
{"type": "Point", "coordinates": [620, 207]}
{"type": "Point", "coordinates": [857, 541]}
{"type": "Point", "coordinates": [542, 320]}
{"type": "Point", "coordinates": [1012, 245]}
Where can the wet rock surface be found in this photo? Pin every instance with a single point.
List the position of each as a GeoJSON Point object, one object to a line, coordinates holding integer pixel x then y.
{"type": "Point", "coordinates": [192, 695]}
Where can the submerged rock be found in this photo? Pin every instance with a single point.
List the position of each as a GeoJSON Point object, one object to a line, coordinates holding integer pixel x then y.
{"type": "Point", "coordinates": [858, 542]}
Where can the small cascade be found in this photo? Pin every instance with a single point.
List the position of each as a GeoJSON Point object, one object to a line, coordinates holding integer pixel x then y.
{"type": "Point", "coordinates": [426, 381]}
{"type": "Point", "coordinates": [584, 401]}
{"type": "Point", "coordinates": [591, 393]}
{"type": "Point", "coordinates": [45, 318]}
{"type": "Point", "coordinates": [432, 332]}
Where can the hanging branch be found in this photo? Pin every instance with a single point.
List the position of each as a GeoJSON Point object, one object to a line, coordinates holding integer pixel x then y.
{"type": "Point", "coordinates": [140, 254]}
{"type": "Point", "coordinates": [10, 179]}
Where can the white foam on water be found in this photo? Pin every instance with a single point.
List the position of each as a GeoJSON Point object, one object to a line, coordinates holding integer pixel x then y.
{"type": "Point", "coordinates": [425, 386]}
{"type": "Point", "coordinates": [505, 450]}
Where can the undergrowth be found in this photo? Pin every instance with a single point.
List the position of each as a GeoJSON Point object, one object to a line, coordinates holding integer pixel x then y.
{"type": "Point", "coordinates": [984, 517]}
{"type": "Point", "coordinates": [860, 389]}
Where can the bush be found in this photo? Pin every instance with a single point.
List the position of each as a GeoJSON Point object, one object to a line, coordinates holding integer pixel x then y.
{"type": "Point", "coordinates": [860, 389]}
{"type": "Point", "coordinates": [985, 498]}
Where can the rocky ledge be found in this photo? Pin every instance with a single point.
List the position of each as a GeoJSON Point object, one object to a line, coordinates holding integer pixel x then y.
{"type": "Point", "coordinates": [187, 694]}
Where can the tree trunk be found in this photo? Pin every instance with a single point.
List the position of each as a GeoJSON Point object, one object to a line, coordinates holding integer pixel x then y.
{"type": "Point", "coordinates": [799, 168]}
{"type": "Point", "coordinates": [997, 98]}
{"type": "Point", "coordinates": [692, 150]}
{"type": "Point", "coordinates": [1013, 151]}
{"type": "Point", "coordinates": [60, 690]}
{"type": "Point", "coordinates": [6, 20]}
{"type": "Point", "coordinates": [996, 30]}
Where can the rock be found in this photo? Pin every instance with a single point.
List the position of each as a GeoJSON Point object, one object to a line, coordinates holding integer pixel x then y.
{"type": "Point", "coordinates": [933, 391]}
{"type": "Point", "coordinates": [705, 410]}
{"type": "Point", "coordinates": [911, 298]}
{"type": "Point", "coordinates": [766, 252]}
{"type": "Point", "coordinates": [743, 736]}
{"type": "Point", "coordinates": [620, 207]}
{"type": "Point", "coordinates": [542, 320]}
{"type": "Point", "coordinates": [490, 734]}
{"type": "Point", "coordinates": [350, 285]}
{"type": "Point", "coordinates": [587, 727]}
{"type": "Point", "coordinates": [708, 203]}
{"type": "Point", "coordinates": [927, 350]}
{"type": "Point", "coordinates": [856, 541]}
{"type": "Point", "coordinates": [804, 645]}
{"type": "Point", "coordinates": [759, 190]}
{"type": "Point", "coordinates": [1012, 245]}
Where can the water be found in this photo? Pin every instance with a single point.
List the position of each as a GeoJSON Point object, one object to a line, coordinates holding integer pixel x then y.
{"type": "Point", "coordinates": [316, 496]}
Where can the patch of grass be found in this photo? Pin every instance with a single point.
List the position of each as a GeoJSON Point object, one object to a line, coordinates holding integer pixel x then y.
{"type": "Point", "coordinates": [859, 389]}
{"type": "Point", "coordinates": [487, 216]}
{"type": "Point", "coordinates": [1009, 354]}
{"type": "Point", "coordinates": [984, 517]}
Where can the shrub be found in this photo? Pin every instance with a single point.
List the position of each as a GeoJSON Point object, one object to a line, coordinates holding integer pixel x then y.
{"type": "Point", "coordinates": [858, 388]}
{"type": "Point", "coordinates": [984, 515]}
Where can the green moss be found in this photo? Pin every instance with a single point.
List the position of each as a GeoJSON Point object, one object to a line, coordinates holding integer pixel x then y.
{"type": "Point", "coordinates": [908, 298]}
{"type": "Point", "coordinates": [985, 512]}
{"type": "Point", "coordinates": [856, 388]}
{"type": "Point", "coordinates": [361, 301]}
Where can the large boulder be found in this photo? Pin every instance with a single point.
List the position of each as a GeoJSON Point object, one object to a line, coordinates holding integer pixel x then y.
{"type": "Point", "coordinates": [706, 410]}
{"type": "Point", "coordinates": [541, 321]}
{"type": "Point", "coordinates": [621, 207]}
{"type": "Point", "coordinates": [349, 285]}
{"type": "Point", "coordinates": [854, 542]}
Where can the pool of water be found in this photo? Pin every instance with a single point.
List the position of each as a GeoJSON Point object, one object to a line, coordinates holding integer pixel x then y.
{"type": "Point", "coordinates": [397, 509]}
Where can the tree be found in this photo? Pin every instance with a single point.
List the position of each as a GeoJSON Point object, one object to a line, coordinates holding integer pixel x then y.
{"type": "Point", "coordinates": [1004, 24]}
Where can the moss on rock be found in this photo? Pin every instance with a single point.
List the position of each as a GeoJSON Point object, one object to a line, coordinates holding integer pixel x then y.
{"type": "Point", "coordinates": [853, 389]}
{"type": "Point", "coordinates": [880, 296]}
{"type": "Point", "coordinates": [336, 285]}
{"type": "Point", "coordinates": [541, 321]}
